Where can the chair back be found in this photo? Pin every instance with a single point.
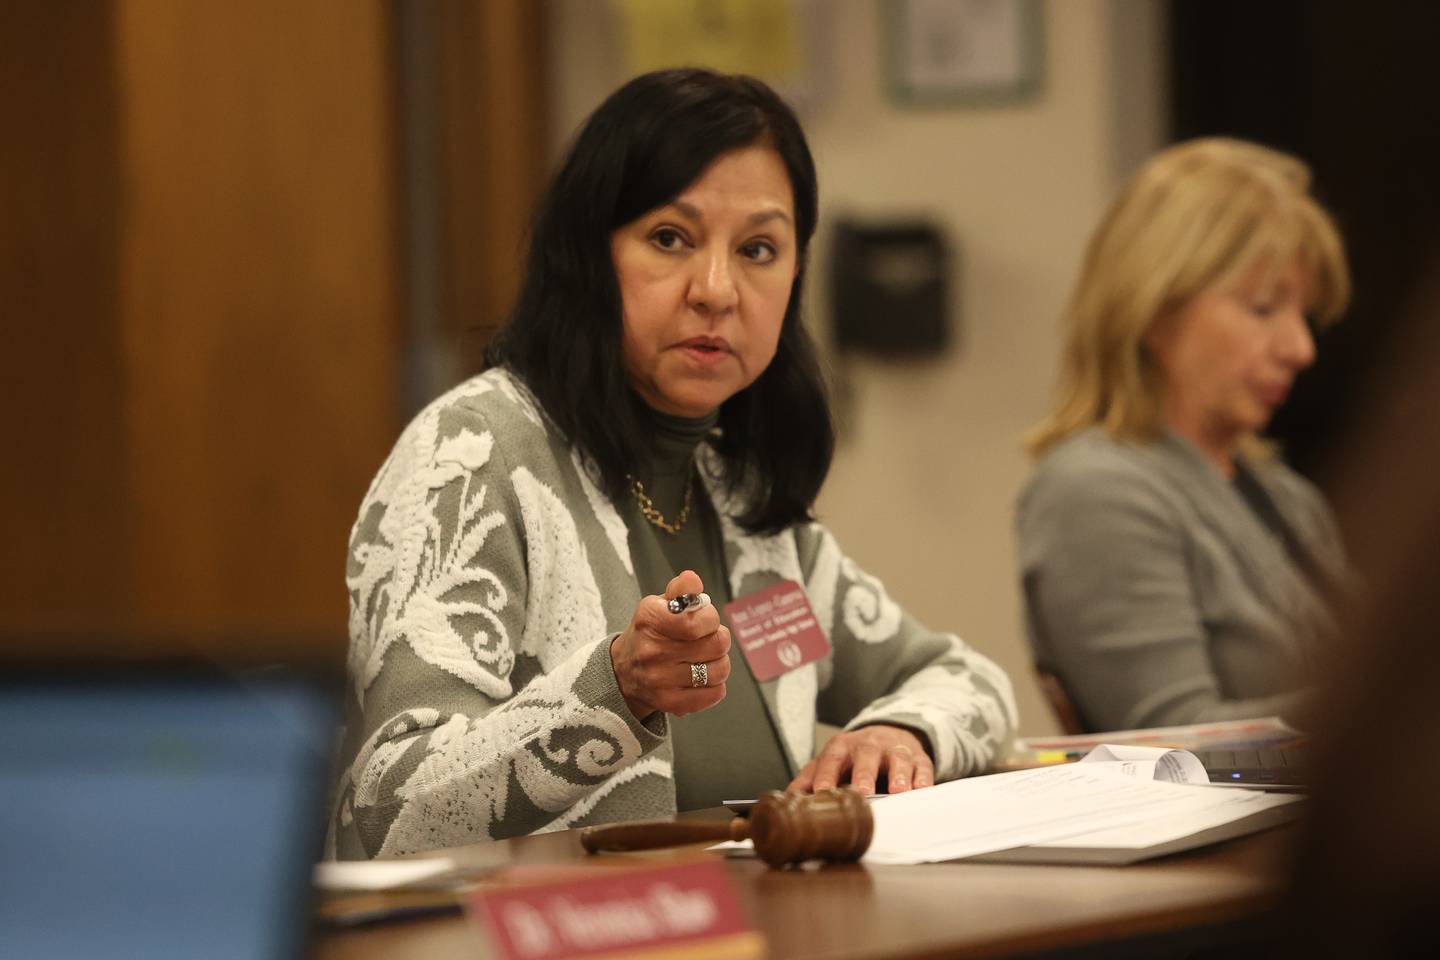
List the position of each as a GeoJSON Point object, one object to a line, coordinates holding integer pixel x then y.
{"type": "Point", "coordinates": [1060, 702]}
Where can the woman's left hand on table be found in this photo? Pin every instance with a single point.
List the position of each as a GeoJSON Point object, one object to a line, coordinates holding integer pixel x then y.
{"type": "Point", "coordinates": [860, 757]}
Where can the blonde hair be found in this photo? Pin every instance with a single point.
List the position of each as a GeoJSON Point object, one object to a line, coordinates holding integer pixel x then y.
{"type": "Point", "coordinates": [1197, 216]}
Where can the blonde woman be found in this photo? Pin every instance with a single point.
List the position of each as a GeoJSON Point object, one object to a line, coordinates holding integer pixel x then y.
{"type": "Point", "coordinates": [1174, 570]}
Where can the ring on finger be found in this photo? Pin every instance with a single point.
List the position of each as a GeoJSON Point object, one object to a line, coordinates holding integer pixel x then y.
{"type": "Point", "coordinates": [699, 674]}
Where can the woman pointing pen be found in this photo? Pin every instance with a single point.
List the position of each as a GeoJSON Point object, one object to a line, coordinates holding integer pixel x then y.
{"type": "Point", "coordinates": [524, 656]}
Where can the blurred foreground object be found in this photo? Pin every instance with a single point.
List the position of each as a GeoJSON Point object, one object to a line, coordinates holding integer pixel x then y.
{"type": "Point", "coordinates": [163, 813]}
{"type": "Point", "coordinates": [1366, 873]}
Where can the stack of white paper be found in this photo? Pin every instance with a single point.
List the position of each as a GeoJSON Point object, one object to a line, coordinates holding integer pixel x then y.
{"type": "Point", "coordinates": [371, 875]}
{"type": "Point", "coordinates": [1109, 808]}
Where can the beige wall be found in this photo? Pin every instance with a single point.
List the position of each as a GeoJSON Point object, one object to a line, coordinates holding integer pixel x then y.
{"type": "Point", "coordinates": [929, 464]}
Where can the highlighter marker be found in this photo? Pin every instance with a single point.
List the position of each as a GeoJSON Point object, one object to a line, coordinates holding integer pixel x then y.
{"type": "Point", "coordinates": [1058, 756]}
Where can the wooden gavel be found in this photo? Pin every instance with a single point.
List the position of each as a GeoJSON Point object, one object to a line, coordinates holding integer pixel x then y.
{"type": "Point", "coordinates": [833, 825]}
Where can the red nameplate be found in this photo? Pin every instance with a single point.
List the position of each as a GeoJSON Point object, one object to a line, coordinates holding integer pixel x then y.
{"type": "Point", "coordinates": [776, 630]}
{"type": "Point", "coordinates": [687, 910]}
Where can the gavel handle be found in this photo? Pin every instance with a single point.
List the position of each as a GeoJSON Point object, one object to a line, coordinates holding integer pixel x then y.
{"type": "Point", "coordinates": [660, 833]}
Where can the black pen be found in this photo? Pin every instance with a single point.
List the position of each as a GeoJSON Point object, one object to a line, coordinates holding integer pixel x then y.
{"type": "Point", "coordinates": [687, 601]}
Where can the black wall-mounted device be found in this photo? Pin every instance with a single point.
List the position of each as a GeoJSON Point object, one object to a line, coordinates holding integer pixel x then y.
{"type": "Point", "coordinates": [889, 286]}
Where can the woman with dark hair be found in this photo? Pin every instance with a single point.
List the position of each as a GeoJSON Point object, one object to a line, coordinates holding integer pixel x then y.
{"type": "Point", "coordinates": [524, 656]}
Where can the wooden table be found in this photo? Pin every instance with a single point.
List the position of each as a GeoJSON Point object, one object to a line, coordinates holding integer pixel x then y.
{"type": "Point", "coordinates": [1165, 906]}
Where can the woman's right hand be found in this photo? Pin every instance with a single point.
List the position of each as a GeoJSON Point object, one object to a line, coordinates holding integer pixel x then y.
{"type": "Point", "coordinates": [652, 657]}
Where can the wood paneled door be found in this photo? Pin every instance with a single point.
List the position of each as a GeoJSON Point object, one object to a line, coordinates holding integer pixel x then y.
{"type": "Point", "coordinates": [205, 255]}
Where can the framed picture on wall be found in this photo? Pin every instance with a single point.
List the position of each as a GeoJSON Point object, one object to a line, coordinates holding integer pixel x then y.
{"type": "Point", "coordinates": [964, 51]}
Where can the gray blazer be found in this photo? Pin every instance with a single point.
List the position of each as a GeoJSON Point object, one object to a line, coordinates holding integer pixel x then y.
{"type": "Point", "coordinates": [1155, 592]}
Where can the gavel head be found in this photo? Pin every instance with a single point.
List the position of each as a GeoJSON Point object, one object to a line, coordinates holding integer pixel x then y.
{"type": "Point", "coordinates": [833, 825]}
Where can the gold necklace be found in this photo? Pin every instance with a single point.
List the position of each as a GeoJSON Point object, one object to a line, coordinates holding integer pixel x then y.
{"type": "Point", "coordinates": [647, 506]}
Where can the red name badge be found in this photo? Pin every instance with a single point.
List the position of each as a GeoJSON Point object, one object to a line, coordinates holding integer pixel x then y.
{"type": "Point", "coordinates": [776, 630]}
{"type": "Point", "coordinates": [677, 911]}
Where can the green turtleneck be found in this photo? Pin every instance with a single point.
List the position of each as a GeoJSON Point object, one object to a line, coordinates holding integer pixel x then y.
{"type": "Point", "coordinates": [731, 751]}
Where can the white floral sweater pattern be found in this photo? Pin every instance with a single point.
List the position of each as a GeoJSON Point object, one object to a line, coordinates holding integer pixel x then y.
{"type": "Point", "coordinates": [487, 574]}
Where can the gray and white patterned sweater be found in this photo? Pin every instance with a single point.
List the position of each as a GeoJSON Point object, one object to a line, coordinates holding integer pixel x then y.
{"type": "Point", "coordinates": [487, 575]}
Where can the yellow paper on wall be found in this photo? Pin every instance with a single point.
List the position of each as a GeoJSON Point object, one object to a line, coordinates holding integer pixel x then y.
{"type": "Point", "coordinates": [733, 36]}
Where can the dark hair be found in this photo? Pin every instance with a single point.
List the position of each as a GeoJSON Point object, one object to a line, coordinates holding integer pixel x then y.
{"type": "Point", "coordinates": [644, 145]}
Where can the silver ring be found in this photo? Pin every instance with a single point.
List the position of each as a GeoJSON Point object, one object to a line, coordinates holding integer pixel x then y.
{"type": "Point", "coordinates": [699, 675]}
